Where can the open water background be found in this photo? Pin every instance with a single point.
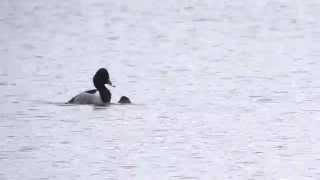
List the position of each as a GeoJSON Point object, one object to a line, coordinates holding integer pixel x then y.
{"type": "Point", "coordinates": [221, 89]}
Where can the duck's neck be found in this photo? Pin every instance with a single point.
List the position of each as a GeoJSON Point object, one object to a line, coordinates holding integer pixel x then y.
{"type": "Point", "coordinates": [105, 94]}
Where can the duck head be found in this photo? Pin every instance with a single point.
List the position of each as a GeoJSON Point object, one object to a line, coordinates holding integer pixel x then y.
{"type": "Point", "coordinates": [101, 78]}
{"type": "Point", "coordinates": [124, 100]}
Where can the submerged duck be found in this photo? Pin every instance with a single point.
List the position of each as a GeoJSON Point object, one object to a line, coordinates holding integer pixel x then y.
{"type": "Point", "coordinates": [124, 100]}
{"type": "Point", "coordinates": [101, 95]}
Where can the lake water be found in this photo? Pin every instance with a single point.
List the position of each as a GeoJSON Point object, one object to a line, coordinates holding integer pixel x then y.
{"type": "Point", "coordinates": [221, 89]}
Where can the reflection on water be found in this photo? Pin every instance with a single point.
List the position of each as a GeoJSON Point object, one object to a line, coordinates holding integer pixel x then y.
{"type": "Point", "coordinates": [221, 90]}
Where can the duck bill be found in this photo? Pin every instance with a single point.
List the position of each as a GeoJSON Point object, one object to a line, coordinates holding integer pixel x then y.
{"type": "Point", "coordinates": [109, 82]}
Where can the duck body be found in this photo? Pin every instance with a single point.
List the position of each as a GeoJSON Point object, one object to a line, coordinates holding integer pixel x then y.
{"type": "Point", "coordinates": [99, 96]}
{"type": "Point", "coordinates": [92, 97]}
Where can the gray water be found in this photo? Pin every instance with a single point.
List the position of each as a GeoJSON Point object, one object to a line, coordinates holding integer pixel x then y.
{"type": "Point", "coordinates": [221, 89]}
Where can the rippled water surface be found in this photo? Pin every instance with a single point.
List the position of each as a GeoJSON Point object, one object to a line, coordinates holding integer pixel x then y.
{"type": "Point", "coordinates": [221, 89]}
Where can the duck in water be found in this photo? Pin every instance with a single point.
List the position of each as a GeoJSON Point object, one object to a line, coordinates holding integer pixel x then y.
{"type": "Point", "coordinates": [99, 96]}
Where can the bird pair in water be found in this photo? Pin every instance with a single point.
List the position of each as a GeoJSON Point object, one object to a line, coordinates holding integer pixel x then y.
{"type": "Point", "coordinates": [101, 95]}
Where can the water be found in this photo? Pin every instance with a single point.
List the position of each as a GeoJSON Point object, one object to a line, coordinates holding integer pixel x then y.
{"type": "Point", "coordinates": [221, 89]}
